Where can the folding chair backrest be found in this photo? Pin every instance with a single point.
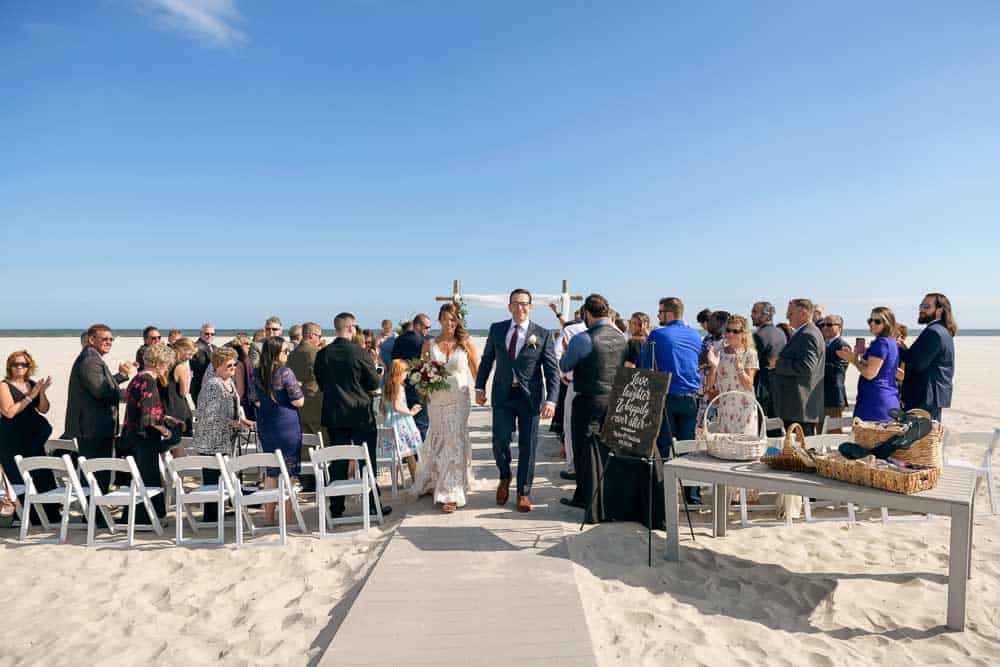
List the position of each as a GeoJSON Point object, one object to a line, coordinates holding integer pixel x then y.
{"type": "Point", "coordinates": [238, 463]}
{"type": "Point", "coordinates": [90, 466]}
{"type": "Point", "coordinates": [775, 423]}
{"type": "Point", "coordinates": [339, 453]}
{"type": "Point", "coordinates": [29, 463]}
{"type": "Point", "coordinates": [830, 423]}
{"type": "Point", "coordinates": [312, 440]}
{"type": "Point", "coordinates": [826, 441]}
{"type": "Point", "coordinates": [56, 445]}
{"type": "Point", "coordinates": [975, 438]}
{"type": "Point", "coordinates": [201, 462]}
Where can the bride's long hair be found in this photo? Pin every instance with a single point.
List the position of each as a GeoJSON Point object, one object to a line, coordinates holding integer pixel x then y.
{"type": "Point", "coordinates": [461, 335]}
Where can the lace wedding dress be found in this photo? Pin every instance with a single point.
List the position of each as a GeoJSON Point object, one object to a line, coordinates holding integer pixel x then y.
{"type": "Point", "coordinates": [445, 465]}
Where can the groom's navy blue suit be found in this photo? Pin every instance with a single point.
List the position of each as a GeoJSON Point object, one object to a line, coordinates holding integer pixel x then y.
{"type": "Point", "coordinates": [521, 387]}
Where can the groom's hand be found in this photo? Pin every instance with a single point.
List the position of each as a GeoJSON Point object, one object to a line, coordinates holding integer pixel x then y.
{"type": "Point", "coordinates": [548, 410]}
{"type": "Point", "coordinates": [480, 397]}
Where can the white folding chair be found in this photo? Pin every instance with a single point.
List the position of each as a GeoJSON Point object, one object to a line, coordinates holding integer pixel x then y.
{"type": "Point", "coordinates": [54, 445]}
{"type": "Point", "coordinates": [983, 469]}
{"type": "Point", "coordinates": [309, 441]}
{"type": "Point", "coordinates": [823, 443]}
{"type": "Point", "coordinates": [775, 424]}
{"type": "Point", "coordinates": [199, 495]}
{"type": "Point", "coordinates": [831, 424]}
{"type": "Point", "coordinates": [284, 491]}
{"type": "Point", "coordinates": [121, 497]}
{"type": "Point", "coordinates": [16, 489]}
{"type": "Point", "coordinates": [362, 485]}
{"type": "Point", "coordinates": [65, 495]}
{"type": "Point", "coordinates": [387, 440]}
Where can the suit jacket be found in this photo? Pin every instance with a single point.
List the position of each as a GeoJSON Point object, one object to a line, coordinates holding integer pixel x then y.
{"type": "Point", "coordinates": [769, 340]}
{"type": "Point", "coordinates": [834, 371]}
{"type": "Point", "coordinates": [93, 397]}
{"type": "Point", "coordinates": [536, 369]}
{"type": "Point", "coordinates": [302, 361]}
{"type": "Point", "coordinates": [199, 363]}
{"type": "Point", "coordinates": [346, 375]}
{"type": "Point", "coordinates": [930, 368]}
{"type": "Point", "coordinates": [797, 380]}
{"type": "Point", "coordinates": [408, 346]}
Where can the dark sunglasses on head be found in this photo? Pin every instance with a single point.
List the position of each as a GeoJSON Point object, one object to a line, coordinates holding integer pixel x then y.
{"type": "Point", "coordinates": [874, 320]}
{"type": "Point", "coordinates": [734, 331]}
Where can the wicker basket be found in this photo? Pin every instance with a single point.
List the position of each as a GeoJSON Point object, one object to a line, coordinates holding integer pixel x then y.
{"type": "Point", "coordinates": [788, 459]}
{"type": "Point", "coordinates": [736, 446]}
{"type": "Point", "coordinates": [835, 466]}
{"type": "Point", "coordinates": [924, 452]}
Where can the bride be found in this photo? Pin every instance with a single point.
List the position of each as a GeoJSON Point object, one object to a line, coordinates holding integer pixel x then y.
{"type": "Point", "coordinates": [446, 456]}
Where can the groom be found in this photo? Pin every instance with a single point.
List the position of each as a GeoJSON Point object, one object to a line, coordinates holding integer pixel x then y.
{"type": "Point", "coordinates": [522, 351]}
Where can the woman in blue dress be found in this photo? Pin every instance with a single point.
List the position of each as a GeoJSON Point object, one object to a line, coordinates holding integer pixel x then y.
{"type": "Point", "coordinates": [278, 428]}
{"type": "Point", "coordinates": [877, 392]}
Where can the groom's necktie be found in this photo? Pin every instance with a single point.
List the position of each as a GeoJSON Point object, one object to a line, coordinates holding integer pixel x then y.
{"type": "Point", "coordinates": [512, 350]}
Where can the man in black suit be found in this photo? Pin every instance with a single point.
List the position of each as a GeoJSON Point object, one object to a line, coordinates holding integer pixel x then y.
{"type": "Point", "coordinates": [769, 341]}
{"type": "Point", "coordinates": [346, 375]}
{"type": "Point", "coordinates": [202, 358]}
{"type": "Point", "coordinates": [797, 373]}
{"type": "Point", "coordinates": [930, 361]}
{"type": "Point", "coordinates": [409, 346]}
{"type": "Point", "coordinates": [93, 398]}
{"type": "Point", "coordinates": [834, 370]}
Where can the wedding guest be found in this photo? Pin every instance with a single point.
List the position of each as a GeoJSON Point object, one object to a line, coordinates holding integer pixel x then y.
{"type": "Point", "coordinates": [819, 312]}
{"type": "Point", "coordinates": [93, 398]}
{"type": "Point", "coordinates": [704, 315]}
{"type": "Point", "coordinates": [786, 329]}
{"type": "Point", "coordinates": [594, 357]}
{"type": "Point", "coordinates": [638, 334]}
{"type": "Point", "coordinates": [243, 375]}
{"type": "Point", "coordinates": [23, 426]}
{"type": "Point", "coordinates": [84, 339]}
{"type": "Point", "coordinates": [173, 335]}
{"type": "Point", "coordinates": [571, 330]}
{"type": "Point", "coordinates": [769, 341]}
{"type": "Point", "coordinates": [272, 328]}
{"type": "Point", "coordinates": [399, 417]}
{"type": "Point", "coordinates": [797, 373]}
{"type": "Point", "coordinates": [279, 396]}
{"type": "Point", "coordinates": [385, 342]}
{"type": "Point", "coordinates": [146, 432]}
{"type": "Point", "coordinates": [202, 358]}
{"type": "Point", "coordinates": [408, 347]}
{"type": "Point", "coordinates": [302, 361]}
{"type": "Point", "coordinates": [258, 336]}
{"type": "Point", "coordinates": [218, 417]}
{"type": "Point", "coordinates": [179, 403]}
{"type": "Point", "coordinates": [732, 370]}
{"type": "Point", "coordinates": [150, 336]}
{"type": "Point", "coordinates": [902, 333]}
{"type": "Point", "coordinates": [877, 392]}
{"type": "Point", "coordinates": [294, 336]}
{"type": "Point", "coordinates": [930, 361]}
{"type": "Point", "coordinates": [834, 370]}
{"type": "Point", "coordinates": [714, 339]}
{"type": "Point", "coordinates": [677, 347]}
{"type": "Point", "coordinates": [347, 378]}
{"type": "Point", "coordinates": [385, 333]}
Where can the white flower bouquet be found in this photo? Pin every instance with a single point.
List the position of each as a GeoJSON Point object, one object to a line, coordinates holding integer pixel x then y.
{"type": "Point", "coordinates": [428, 376]}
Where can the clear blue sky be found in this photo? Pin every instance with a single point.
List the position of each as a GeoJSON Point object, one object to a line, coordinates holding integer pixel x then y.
{"type": "Point", "coordinates": [172, 161]}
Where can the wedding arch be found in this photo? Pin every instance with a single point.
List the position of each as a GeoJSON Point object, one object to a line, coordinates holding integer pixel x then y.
{"type": "Point", "coordinates": [499, 301]}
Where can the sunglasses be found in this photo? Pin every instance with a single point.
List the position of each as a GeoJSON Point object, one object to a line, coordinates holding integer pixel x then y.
{"type": "Point", "coordinates": [208, 333]}
{"type": "Point", "coordinates": [926, 306]}
{"type": "Point", "coordinates": [155, 337]}
{"type": "Point", "coordinates": [20, 364]}
{"type": "Point", "coordinates": [874, 320]}
{"type": "Point", "coordinates": [734, 331]}
{"type": "Point", "coordinates": [827, 325]}
{"type": "Point", "coordinates": [106, 339]}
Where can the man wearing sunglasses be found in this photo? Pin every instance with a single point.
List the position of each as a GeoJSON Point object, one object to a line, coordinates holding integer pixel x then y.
{"type": "Point", "coordinates": [930, 361]}
{"type": "Point", "coordinates": [202, 358]}
{"type": "Point", "coordinates": [272, 328]}
{"type": "Point", "coordinates": [150, 336]}
{"type": "Point", "coordinates": [835, 368]}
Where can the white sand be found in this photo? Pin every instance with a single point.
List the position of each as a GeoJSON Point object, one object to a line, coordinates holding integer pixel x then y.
{"type": "Point", "coordinates": [824, 593]}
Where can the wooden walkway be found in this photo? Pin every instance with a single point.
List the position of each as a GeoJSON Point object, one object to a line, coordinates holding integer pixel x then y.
{"type": "Point", "coordinates": [483, 586]}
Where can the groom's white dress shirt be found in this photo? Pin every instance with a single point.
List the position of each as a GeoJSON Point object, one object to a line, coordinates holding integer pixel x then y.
{"type": "Point", "coordinates": [522, 335]}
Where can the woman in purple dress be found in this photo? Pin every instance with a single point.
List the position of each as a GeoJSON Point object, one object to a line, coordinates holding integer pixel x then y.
{"type": "Point", "coordinates": [877, 392]}
{"type": "Point", "coordinates": [280, 396]}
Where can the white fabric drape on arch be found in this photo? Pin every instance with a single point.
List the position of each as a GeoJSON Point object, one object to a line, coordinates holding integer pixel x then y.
{"type": "Point", "coordinates": [500, 301]}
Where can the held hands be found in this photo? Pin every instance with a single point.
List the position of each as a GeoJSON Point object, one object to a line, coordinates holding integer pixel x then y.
{"type": "Point", "coordinates": [480, 397]}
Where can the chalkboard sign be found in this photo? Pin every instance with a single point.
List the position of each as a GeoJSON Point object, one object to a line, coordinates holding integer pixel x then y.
{"type": "Point", "coordinates": [635, 411]}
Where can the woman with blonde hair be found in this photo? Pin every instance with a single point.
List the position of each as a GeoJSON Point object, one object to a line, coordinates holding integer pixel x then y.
{"type": "Point", "coordinates": [733, 370]}
{"type": "Point", "coordinates": [178, 401]}
{"type": "Point", "coordinates": [638, 333]}
{"type": "Point", "coordinates": [877, 393]}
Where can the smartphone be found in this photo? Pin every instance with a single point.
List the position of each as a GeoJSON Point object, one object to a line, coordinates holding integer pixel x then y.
{"type": "Point", "coordinates": [859, 346]}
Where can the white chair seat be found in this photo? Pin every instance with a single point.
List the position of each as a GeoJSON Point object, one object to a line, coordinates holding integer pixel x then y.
{"type": "Point", "coordinates": [345, 487]}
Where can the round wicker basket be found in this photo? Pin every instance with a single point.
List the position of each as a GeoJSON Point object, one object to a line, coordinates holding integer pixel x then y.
{"type": "Point", "coordinates": [924, 452]}
{"type": "Point", "coordinates": [736, 446]}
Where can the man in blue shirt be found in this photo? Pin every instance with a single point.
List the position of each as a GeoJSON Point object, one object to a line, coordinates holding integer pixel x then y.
{"type": "Point", "coordinates": [675, 347]}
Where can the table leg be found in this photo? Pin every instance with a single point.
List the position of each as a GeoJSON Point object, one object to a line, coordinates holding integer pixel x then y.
{"type": "Point", "coordinates": [972, 523]}
{"type": "Point", "coordinates": [672, 518]}
{"type": "Point", "coordinates": [719, 510]}
{"type": "Point", "coordinates": [958, 566]}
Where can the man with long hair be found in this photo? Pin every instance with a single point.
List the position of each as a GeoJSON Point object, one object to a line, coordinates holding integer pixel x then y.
{"type": "Point", "coordinates": [930, 361]}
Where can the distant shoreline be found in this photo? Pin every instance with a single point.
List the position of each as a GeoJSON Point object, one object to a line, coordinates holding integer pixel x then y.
{"type": "Point", "coordinates": [229, 333]}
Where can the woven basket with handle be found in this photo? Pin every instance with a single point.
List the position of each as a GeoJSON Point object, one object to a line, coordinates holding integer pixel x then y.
{"type": "Point", "coordinates": [924, 452]}
{"type": "Point", "coordinates": [736, 446]}
{"type": "Point", "coordinates": [793, 454]}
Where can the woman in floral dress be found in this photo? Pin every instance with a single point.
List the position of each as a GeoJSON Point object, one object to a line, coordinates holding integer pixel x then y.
{"type": "Point", "coordinates": [733, 370]}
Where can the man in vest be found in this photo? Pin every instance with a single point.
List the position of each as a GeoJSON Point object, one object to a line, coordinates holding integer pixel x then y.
{"type": "Point", "coordinates": [594, 357]}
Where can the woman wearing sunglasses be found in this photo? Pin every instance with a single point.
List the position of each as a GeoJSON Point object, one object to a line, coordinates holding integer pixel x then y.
{"type": "Point", "coordinates": [877, 393]}
{"type": "Point", "coordinates": [733, 370]}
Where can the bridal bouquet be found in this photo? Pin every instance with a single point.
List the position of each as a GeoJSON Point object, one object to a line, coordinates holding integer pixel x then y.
{"type": "Point", "coordinates": [428, 376]}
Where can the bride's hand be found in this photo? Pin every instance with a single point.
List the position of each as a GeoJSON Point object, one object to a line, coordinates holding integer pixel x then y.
{"type": "Point", "coordinates": [416, 408]}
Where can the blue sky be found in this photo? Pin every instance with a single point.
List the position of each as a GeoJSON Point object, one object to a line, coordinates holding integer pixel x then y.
{"type": "Point", "coordinates": [173, 161]}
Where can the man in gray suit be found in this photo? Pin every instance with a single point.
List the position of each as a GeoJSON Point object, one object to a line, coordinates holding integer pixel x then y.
{"type": "Point", "coordinates": [525, 383]}
{"type": "Point", "coordinates": [797, 372]}
{"type": "Point", "coordinates": [93, 397]}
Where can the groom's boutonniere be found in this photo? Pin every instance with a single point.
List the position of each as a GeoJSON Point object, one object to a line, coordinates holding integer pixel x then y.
{"type": "Point", "coordinates": [532, 341]}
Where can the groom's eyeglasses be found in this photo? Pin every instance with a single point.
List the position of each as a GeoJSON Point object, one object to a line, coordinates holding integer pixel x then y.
{"type": "Point", "coordinates": [521, 304]}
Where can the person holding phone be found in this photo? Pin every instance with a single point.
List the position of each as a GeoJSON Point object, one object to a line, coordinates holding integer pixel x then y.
{"type": "Point", "coordinates": [877, 393]}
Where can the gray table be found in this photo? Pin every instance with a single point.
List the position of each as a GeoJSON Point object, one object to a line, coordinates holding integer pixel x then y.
{"type": "Point", "coordinates": [954, 496]}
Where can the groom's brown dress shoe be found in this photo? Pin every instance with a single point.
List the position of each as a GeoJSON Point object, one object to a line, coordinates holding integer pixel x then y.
{"type": "Point", "coordinates": [523, 504]}
{"type": "Point", "coordinates": [503, 491]}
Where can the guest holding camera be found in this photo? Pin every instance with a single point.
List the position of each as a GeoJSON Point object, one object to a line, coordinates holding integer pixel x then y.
{"type": "Point", "coordinates": [877, 392]}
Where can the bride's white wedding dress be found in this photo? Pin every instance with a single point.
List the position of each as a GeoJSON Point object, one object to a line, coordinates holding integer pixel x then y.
{"type": "Point", "coordinates": [445, 465]}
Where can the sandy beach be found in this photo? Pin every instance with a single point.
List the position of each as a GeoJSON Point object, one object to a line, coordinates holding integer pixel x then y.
{"type": "Point", "coordinates": [819, 594]}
